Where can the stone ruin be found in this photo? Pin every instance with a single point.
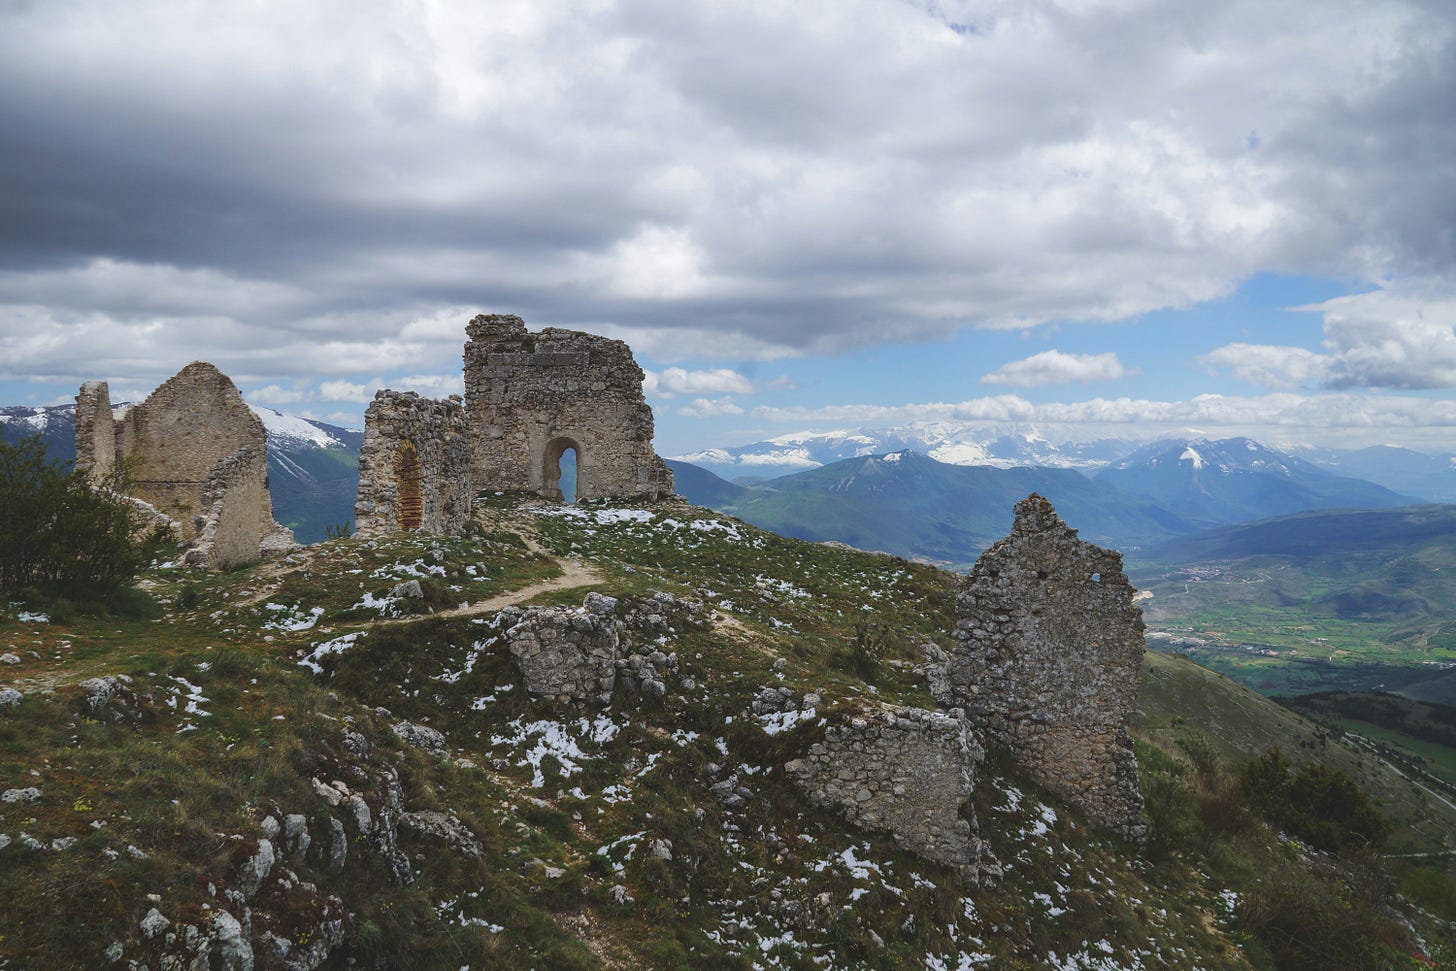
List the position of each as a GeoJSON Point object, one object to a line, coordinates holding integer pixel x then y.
{"type": "Point", "coordinates": [529, 398]}
{"type": "Point", "coordinates": [414, 466]}
{"type": "Point", "coordinates": [1048, 651]}
{"type": "Point", "coordinates": [533, 396]}
{"type": "Point", "coordinates": [1047, 655]}
{"type": "Point", "coordinates": [195, 454]}
{"type": "Point", "coordinates": [908, 772]}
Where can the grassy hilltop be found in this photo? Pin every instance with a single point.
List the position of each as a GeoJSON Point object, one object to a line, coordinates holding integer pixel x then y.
{"type": "Point", "coordinates": [421, 809]}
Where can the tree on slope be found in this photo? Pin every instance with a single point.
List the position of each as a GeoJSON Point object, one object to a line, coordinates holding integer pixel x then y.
{"type": "Point", "coordinates": [59, 531]}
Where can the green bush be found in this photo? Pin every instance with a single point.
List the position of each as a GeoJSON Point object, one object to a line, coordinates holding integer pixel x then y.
{"type": "Point", "coordinates": [1320, 805]}
{"type": "Point", "coordinates": [58, 532]}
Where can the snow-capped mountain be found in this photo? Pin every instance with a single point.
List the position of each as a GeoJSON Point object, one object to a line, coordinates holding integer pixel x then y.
{"type": "Point", "coordinates": [1237, 480]}
{"type": "Point", "coordinates": [1001, 446]}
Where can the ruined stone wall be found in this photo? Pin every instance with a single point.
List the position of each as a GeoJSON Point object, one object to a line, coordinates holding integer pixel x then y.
{"type": "Point", "coordinates": [1048, 651]}
{"type": "Point", "coordinates": [197, 454]}
{"type": "Point", "coordinates": [183, 431]}
{"type": "Point", "coordinates": [228, 531]}
{"type": "Point", "coordinates": [414, 466]}
{"type": "Point", "coordinates": [530, 396]}
{"type": "Point", "coordinates": [909, 773]}
{"type": "Point", "coordinates": [95, 430]}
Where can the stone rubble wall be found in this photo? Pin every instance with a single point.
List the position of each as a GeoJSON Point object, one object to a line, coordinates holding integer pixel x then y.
{"type": "Point", "coordinates": [907, 772]}
{"type": "Point", "coordinates": [530, 395]}
{"type": "Point", "coordinates": [437, 432]}
{"type": "Point", "coordinates": [1047, 655]}
{"type": "Point", "coordinates": [95, 431]}
{"type": "Point", "coordinates": [587, 654]}
{"type": "Point", "coordinates": [235, 503]}
{"type": "Point", "coordinates": [197, 454]}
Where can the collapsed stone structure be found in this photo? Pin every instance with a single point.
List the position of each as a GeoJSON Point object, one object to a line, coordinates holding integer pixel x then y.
{"type": "Point", "coordinates": [908, 772]}
{"type": "Point", "coordinates": [1048, 651]}
{"type": "Point", "coordinates": [587, 653]}
{"type": "Point", "coordinates": [414, 466]}
{"type": "Point", "coordinates": [529, 398]}
{"type": "Point", "coordinates": [195, 453]}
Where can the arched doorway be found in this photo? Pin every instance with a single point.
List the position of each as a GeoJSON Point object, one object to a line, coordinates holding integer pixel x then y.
{"type": "Point", "coordinates": [409, 507]}
{"type": "Point", "coordinates": [561, 470]}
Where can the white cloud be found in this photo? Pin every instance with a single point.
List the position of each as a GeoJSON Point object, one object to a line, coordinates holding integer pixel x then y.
{"type": "Point", "coordinates": [273, 395]}
{"type": "Point", "coordinates": [1332, 419]}
{"type": "Point", "coordinates": [1270, 366]}
{"type": "Point", "coordinates": [1386, 338]}
{"type": "Point", "coordinates": [1054, 367]}
{"type": "Point", "coordinates": [675, 381]}
{"type": "Point", "coordinates": [704, 408]}
{"type": "Point", "coordinates": [345, 391]}
{"type": "Point", "coordinates": [751, 178]}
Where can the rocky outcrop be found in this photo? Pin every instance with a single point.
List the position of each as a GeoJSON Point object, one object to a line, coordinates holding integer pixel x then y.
{"type": "Point", "coordinates": [909, 773]}
{"type": "Point", "coordinates": [414, 467]}
{"type": "Point", "coordinates": [1048, 650]}
{"type": "Point", "coordinates": [197, 455]}
{"type": "Point", "coordinates": [532, 396]}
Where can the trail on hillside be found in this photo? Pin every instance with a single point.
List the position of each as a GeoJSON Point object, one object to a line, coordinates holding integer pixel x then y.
{"type": "Point", "coordinates": [574, 573]}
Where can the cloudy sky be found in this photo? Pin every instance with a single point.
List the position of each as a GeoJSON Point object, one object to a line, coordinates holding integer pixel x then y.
{"type": "Point", "coordinates": [1107, 216]}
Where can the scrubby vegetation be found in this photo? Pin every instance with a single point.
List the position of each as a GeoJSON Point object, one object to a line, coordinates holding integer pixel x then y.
{"type": "Point", "coordinates": [58, 533]}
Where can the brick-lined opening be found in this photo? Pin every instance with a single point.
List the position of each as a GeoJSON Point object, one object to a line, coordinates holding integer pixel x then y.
{"type": "Point", "coordinates": [408, 505]}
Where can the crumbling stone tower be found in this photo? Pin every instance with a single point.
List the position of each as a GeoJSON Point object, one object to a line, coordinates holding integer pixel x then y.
{"type": "Point", "coordinates": [414, 466]}
{"type": "Point", "coordinates": [532, 396]}
{"type": "Point", "coordinates": [1048, 651]}
{"type": "Point", "coordinates": [197, 454]}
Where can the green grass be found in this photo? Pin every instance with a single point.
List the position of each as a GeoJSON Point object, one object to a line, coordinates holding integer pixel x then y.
{"type": "Point", "coordinates": [562, 825]}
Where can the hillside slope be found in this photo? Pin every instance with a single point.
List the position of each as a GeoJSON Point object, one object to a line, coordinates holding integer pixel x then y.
{"type": "Point", "coordinates": [318, 764]}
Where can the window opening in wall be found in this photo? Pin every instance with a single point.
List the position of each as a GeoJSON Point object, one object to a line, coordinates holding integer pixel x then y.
{"type": "Point", "coordinates": [562, 465]}
{"type": "Point", "coordinates": [408, 504]}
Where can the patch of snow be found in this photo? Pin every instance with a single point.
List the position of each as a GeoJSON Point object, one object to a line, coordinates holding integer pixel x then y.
{"type": "Point", "coordinates": [1189, 455]}
{"type": "Point", "coordinates": [778, 722]}
{"type": "Point", "coordinates": [292, 620]}
{"type": "Point", "coordinates": [336, 646]}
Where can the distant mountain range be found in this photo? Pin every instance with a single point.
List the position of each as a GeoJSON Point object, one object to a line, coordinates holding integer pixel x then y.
{"type": "Point", "coordinates": [313, 467]}
{"type": "Point", "coordinates": [1234, 480]}
{"type": "Point", "coordinates": [1428, 477]}
{"type": "Point", "coordinates": [911, 505]}
{"type": "Point", "coordinates": [936, 495]}
{"type": "Point", "coordinates": [954, 443]}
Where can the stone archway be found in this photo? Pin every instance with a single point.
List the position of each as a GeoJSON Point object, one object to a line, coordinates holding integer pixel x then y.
{"type": "Point", "coordinates": [551, 467]}
{"type": "Point", "coordinates": [408, 502]}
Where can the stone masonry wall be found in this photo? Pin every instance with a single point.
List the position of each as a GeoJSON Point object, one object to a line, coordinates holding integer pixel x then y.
{"type": "Point", "coordinates": [180, 433]}
{"type": "Point", "coordinates": [908, 772]}
{"type": "Point", "coordinates": [197, 454]}
{"type": "Point", "coordinates": [414, 466]}
{"type": "Point", "coordinates": [228, 530]}
{"type": "Point", "coordinates": [530, 396]}
{"type": "Point", "coordinates": [1048, 651]}
{"type": "Point", "coordinates": [95, 430]}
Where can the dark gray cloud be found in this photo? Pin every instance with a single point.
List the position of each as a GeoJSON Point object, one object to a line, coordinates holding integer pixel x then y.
{"type": "Point", "coordinates": [299, 186]}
